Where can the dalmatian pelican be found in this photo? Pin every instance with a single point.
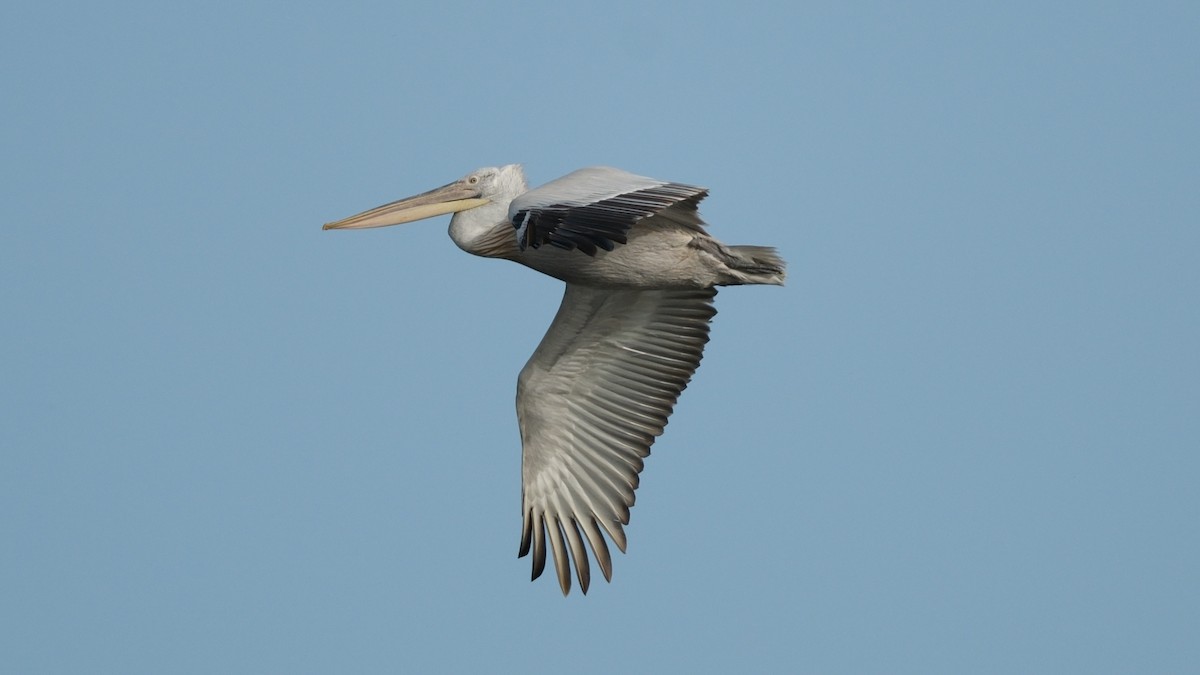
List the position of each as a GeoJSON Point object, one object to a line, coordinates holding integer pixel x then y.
{"type": "Point", "coordinates": [640, 272]}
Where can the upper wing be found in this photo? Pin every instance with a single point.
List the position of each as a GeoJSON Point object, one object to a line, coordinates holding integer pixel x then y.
{"type": "Point", "coordinates": [590, 402]}
{"type": "Point", "coordinates": [596, 206]}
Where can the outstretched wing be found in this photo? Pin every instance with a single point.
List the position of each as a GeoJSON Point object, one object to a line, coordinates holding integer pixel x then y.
{"type": "Point", "coordinates": [595, 207]}
{"type": "Point", "coordinates": [590, 402]}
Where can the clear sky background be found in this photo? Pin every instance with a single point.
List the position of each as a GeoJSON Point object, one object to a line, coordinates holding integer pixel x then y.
{"type": "Point", "coordinates": [963, 438]}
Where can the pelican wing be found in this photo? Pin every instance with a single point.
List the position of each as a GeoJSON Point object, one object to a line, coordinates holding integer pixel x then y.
{"type": "Point", "coordinates": [595, 207]}
{"type": "Point", "coordinates": [590, 402]}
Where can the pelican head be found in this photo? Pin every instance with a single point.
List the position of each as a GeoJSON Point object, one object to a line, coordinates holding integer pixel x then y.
{"type": "Point", "coordinates": [482, 186]}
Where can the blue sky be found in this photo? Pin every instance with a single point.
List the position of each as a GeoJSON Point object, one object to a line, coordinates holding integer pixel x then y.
{"type": "Point", "coordinates": [962, 439]}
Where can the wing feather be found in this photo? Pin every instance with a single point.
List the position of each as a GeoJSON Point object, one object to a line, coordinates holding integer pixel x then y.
{"type": "Point", "coordinates": [599, 547]}
{"type": "Point", "coordinates": [578, 553]}
{"type": "Point", "coordinates": [594, 208]}
{"type": "Point", "coordinates": [561, 565]}
{"type": "Point", "coordinates": [539, 545]}
{"type": "Point", "coordinates": [591, 400]}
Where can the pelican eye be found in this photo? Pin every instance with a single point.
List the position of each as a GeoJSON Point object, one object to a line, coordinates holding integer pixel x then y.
{"type": "Point", "coordinates": [473, 180]}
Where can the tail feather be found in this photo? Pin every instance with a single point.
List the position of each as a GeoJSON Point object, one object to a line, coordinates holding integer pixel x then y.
{"type": "Point", "coordinates": [757, 265]}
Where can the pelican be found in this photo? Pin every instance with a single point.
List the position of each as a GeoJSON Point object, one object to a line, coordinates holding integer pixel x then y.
{"type": "Point", "coordinates": [640, 272]}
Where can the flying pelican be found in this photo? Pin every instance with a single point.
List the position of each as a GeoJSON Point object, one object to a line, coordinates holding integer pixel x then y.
{"type": "Point", "coordinates": [640, 272]}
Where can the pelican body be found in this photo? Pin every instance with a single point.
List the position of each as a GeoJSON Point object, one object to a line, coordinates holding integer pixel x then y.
{"type": "Point", "coordinates": [640, 272]}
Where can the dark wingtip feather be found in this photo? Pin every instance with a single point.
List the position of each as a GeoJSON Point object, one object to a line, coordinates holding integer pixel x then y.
{"type": "Point", "coordinates": [599, 547]}
{"type": "Point", "coordinates": [539, 548]}
{"type": "Point", "coordinates": [578, 554]}
{"type": "Point", "coordinates": [603, 223]}
{"type": "Point", "coordinates": [561, 565]}
{"type": "Point", "coordinates": [526, 535]}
